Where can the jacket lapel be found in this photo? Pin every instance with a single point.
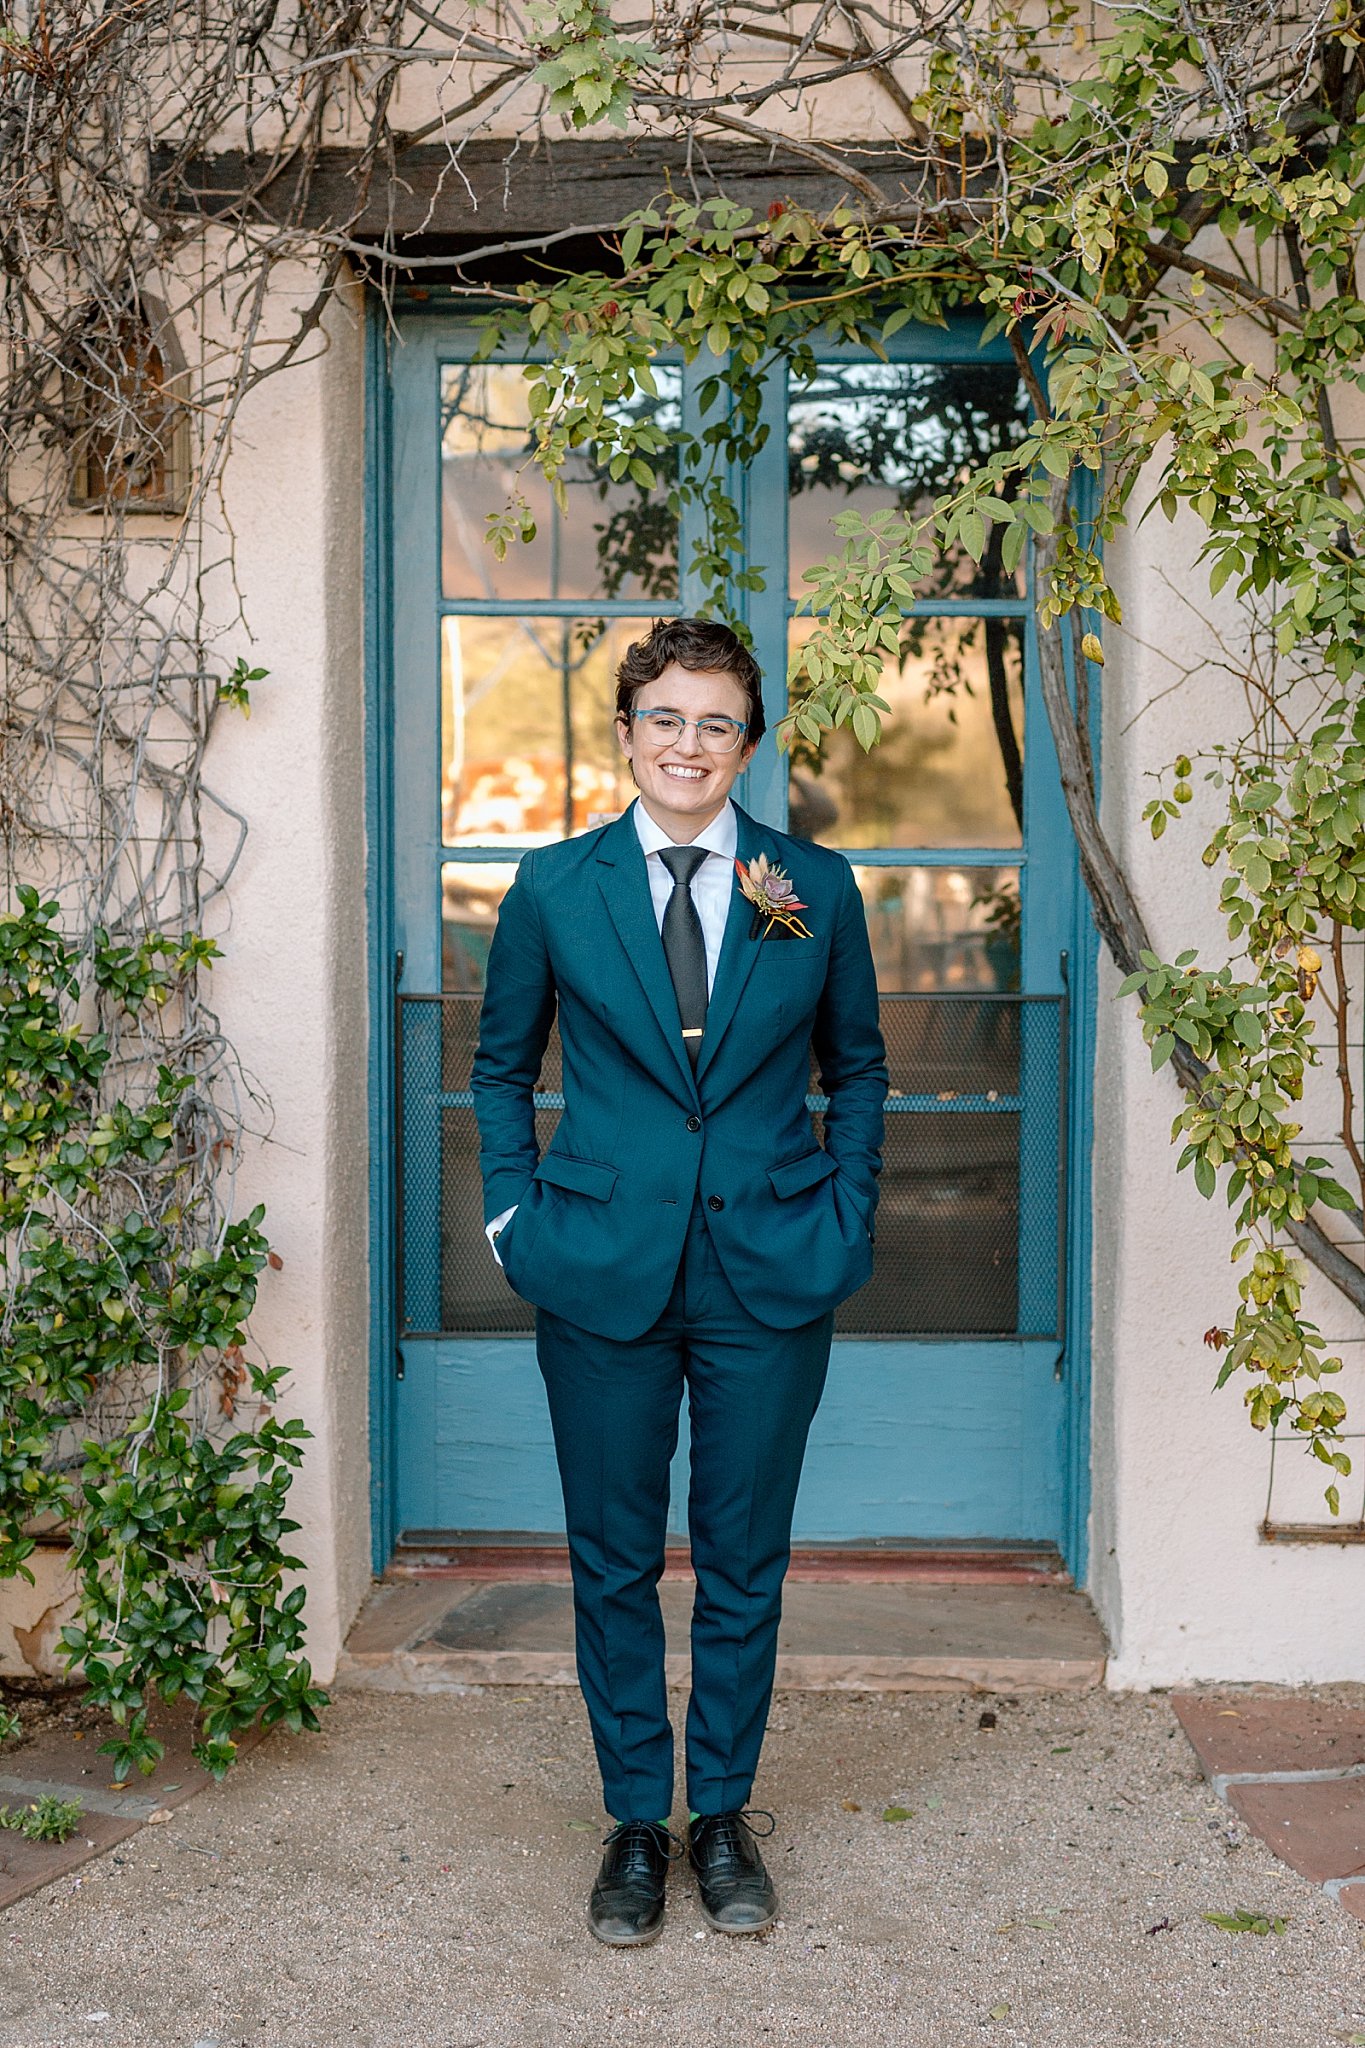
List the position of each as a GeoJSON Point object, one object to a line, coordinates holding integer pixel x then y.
{"type": "Point", "coordinates": [738, 951]}
{"type": "Point", "coordinates": [624, 884]}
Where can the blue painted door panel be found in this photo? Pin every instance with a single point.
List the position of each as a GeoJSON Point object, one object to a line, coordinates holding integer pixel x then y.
{"type": "Point", "coordinates": [932, 1441]}
{"type": "Point", "coordinates": [917, 1437]}
{"type": "Point", "coordinates": [926, 1440]}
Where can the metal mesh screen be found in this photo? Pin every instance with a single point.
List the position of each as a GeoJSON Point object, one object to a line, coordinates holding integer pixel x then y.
{"type": "Point", "coordinates": [969, 1227]}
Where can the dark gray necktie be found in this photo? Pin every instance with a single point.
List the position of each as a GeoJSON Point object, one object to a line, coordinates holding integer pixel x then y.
{"type": "Point", "coordinates": [684, 946]}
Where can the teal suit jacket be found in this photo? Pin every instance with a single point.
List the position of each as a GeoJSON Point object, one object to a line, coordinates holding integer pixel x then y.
{"type": "Point", "coordinates": [600, 1219]}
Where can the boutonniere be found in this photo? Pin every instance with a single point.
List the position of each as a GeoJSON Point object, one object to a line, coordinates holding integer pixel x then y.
{"type": "Point", "coordinates": [773, 896]}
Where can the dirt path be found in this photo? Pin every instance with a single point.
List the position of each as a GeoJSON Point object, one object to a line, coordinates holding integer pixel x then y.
{"type": "Point", "coordinates": [415, 1878]}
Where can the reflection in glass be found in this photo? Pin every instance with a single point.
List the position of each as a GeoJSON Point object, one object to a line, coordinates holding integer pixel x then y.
{"type": "Point", "coordinates": [528, 750]}
{"type": "Point", "coordinates": [942, 928]}
{"type": "Point", "coordinates": [471, 896]}
{"type": "Point", "coordinates": [877, 437]}
{"type": "Point", "coordinates": [948, 769]}
{"type": "Point", "coordinates": [616, 540]}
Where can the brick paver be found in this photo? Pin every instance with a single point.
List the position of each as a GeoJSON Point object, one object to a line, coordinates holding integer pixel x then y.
{"type": "Point", "coordinates": [1304, 1759]}
{"type": "Point", "coordinates": [66, 1763]}
{"type": "Point", "coordinates": [1234, 1731]}
{"type": "Point", "coordinates": [1317, 1829]}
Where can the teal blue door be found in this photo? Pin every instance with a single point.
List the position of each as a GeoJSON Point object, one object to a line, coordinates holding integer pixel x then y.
{"type": "Point", "coordinates": [955, 1409]}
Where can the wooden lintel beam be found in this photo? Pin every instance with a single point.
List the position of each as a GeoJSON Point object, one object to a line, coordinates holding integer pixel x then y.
{"type": "Point", "coordinates": [544, 187]}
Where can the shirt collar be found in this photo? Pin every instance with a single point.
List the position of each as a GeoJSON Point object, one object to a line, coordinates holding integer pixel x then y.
{"type": "Point", "coordinates": [721, 835]}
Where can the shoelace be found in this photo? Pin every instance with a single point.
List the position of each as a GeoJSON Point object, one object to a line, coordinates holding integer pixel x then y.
{"type": "Point", "coordinates": [746, 1818]}
{"type": "Point", "coordinates": [721, 1828]}
{"type": "Point", "coordinates": [637, 1836]}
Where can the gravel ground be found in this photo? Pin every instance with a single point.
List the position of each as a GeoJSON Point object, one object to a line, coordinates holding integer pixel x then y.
{"type": "Point", "coordinates": [416, 1877]}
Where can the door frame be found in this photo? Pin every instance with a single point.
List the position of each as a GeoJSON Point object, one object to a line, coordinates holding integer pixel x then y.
{"type": "Point", "coordinates": [381, 337]}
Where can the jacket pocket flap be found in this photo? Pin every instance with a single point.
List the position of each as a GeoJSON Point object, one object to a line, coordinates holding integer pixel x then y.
{"type": "Point", "coordinates": [581, 1176]}
{"type": "Point", "coordinates": [801, 1173]}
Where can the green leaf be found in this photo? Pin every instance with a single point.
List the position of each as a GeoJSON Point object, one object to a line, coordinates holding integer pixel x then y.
{"type": "Point", "coordinates": [865, 726]}
{"type": "Point", "coordinates": [897, 1813]}
{"type": "Point", "coordinates": [972, 532]}
{"type": "Point", "coordinates": [1248, 1920]}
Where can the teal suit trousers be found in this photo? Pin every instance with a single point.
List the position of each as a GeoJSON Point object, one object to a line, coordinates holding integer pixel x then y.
{"type": "Point", "coordinates": [685, 1232]}
{"type": "Point", "coordinates": [614, 1407]}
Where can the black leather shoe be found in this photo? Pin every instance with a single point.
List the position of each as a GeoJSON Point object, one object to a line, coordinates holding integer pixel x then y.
{"type": "Point", "coordinates": [626, 1908]}
{"type": "Point", "coordinates": [735, 1890]}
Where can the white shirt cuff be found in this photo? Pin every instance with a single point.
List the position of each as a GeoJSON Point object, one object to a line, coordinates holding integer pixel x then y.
{"type": "Point", "coordinates": [490, 1230]}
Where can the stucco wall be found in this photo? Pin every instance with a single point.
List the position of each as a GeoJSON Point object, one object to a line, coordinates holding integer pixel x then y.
{"type": "Point", "coordinates": [1182, 1579]}
{"type": "Point", "coordinates": [292, 989]}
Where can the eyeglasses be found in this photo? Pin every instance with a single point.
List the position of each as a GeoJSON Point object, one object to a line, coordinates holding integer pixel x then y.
{"type": "Point", "coordinates": [716, 735]}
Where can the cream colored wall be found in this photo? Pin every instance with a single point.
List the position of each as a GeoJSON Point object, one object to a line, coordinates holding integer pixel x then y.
{"type": "Point", "coordinates": [281, 571]}
{"type": "Point", "coordinates": [1185, 1585]}
{"type": "Point", "coordinates": [292, 989]}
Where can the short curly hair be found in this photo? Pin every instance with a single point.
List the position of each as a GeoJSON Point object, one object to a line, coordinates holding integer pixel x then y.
{"type": "Point", "coordinates": [694, 644]}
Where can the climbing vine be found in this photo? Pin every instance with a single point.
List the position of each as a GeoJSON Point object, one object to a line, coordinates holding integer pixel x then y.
{"type": "Point", "coordinates": [133, 1416]}
{"type": "Point", "coordinates": [1175, 379]}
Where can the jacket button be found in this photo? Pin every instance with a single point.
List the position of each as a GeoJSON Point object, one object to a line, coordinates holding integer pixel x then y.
{"type": "Point", "coordinates": [694, 1123]}
{"type": "Point", "coordinates": [715, 1201]}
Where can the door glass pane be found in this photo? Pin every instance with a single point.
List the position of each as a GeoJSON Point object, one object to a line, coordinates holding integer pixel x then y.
{"type": "Point", "coordinates": [942, 928]}
{"type": "Point", "coordinates": [471, 896]}
{"type": "Point", "coordinates": [971, 1180]}
{"type": "Point", "coordinates": [948, 769]}
{"type": "Point", "coordinates": [877, 437]}
{"type": "Point", "coordinates": [528, 749]}
{"type": "Point", "coordinates": [616, 540]}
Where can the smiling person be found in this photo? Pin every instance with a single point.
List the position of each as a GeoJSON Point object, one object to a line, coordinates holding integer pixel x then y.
{"type": "Point", "coordinates": [683, 1233]}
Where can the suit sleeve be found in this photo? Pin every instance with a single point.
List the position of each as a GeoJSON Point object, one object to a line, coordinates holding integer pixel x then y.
{"type": "Point", "coordinates": [514, 1029]}
{"type": "Point", "coordinates": [849, 1051]}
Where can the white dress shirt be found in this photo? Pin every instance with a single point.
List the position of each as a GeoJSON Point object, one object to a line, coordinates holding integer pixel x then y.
{"type": "Point", "coordinates": [712, 884]}
{"type": "Point", "coordinates": [711, 888]}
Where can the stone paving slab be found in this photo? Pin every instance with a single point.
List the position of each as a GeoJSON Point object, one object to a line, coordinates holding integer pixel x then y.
{"type": "Point", "coordinates": [1317, 1829]}
{"type": "Point", "coordinates": [870, 1636]}
{"type": "Point", "coordinates": [1237, 1731]}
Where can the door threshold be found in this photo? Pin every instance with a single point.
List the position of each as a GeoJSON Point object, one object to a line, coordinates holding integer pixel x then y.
{"type": "Point", "coordinates": [426, 1634]}
{"type": "Point", "coordinates": [520, 1556]}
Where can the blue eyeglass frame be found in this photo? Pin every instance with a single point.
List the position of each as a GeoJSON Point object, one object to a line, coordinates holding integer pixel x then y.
{"type": "Point", "coordinates": [715, 718]}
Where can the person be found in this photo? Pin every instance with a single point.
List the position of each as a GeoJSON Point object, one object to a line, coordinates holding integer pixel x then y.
{"type": "Point", "coordinates": [684, 1231]}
